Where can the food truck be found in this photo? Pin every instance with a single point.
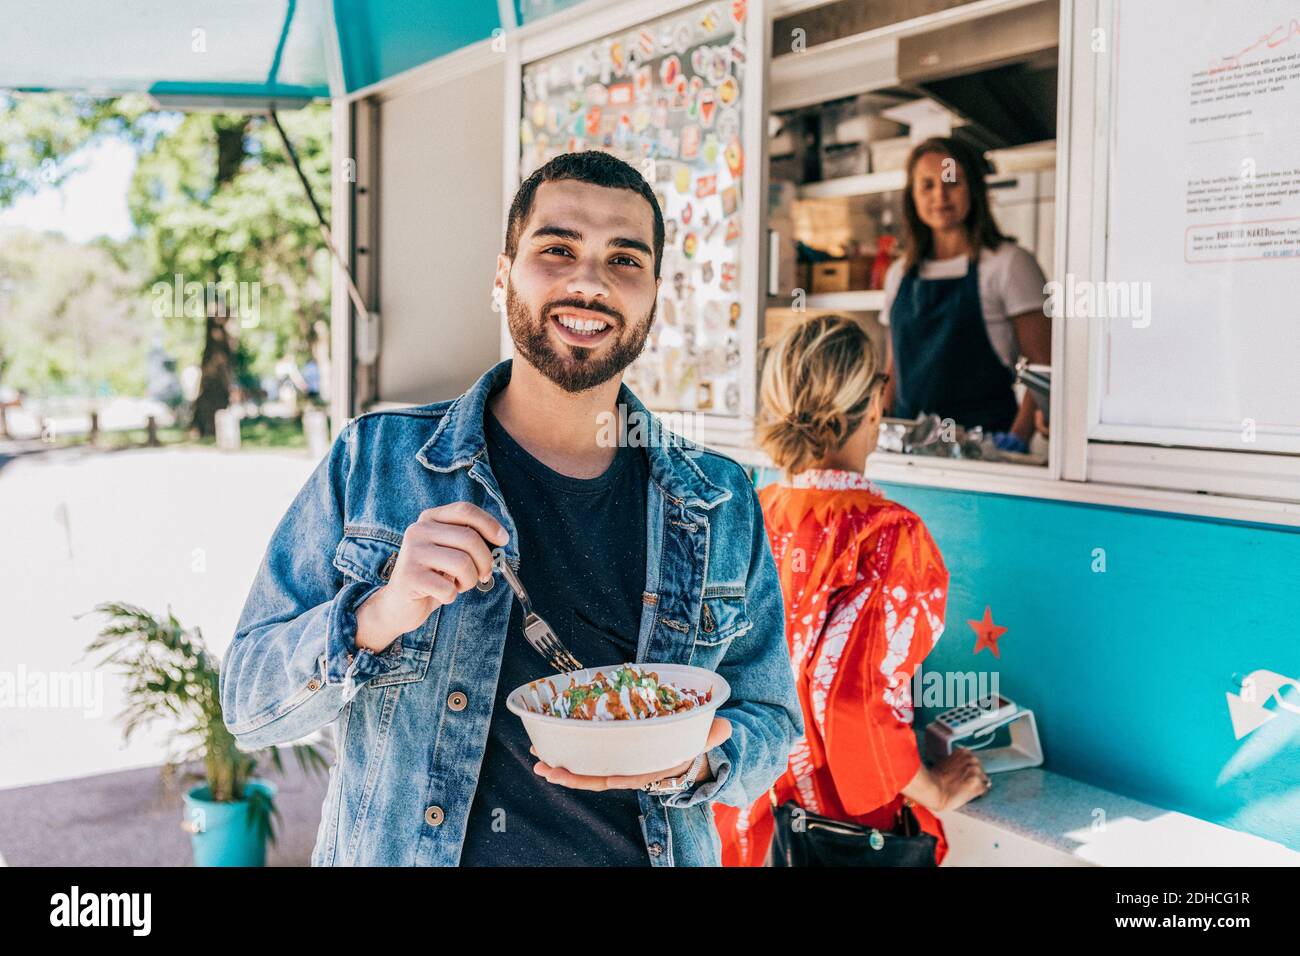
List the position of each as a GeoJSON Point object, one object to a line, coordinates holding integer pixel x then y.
{"type": "Point", "coordinates": [1144, 561]}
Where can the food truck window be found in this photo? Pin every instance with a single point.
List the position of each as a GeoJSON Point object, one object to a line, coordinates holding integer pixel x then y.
{"type": "Point", "coordinates": [841, 232]}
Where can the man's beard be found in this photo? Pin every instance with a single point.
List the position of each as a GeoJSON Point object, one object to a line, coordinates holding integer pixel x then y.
{"type": "Point", "coordinates": [579, 370]}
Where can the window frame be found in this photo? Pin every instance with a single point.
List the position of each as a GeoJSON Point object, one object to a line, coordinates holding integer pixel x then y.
{"type": "Point", "coordinates": [1107, 453]}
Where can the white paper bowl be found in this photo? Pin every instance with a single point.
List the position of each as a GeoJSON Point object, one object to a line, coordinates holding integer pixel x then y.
{"type": "Point", "coordinates": [601, 748]}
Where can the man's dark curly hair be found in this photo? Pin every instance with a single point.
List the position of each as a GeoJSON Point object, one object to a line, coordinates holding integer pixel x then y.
{"type": "Point", "coordinates": [590, 166]}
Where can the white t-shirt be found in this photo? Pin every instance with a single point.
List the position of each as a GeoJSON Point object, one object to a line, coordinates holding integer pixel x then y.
{"type": "Point", "coordinates": [1011, 283]}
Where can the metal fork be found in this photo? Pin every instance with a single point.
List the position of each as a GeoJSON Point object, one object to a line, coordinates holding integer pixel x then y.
{"type": "Point", "coordinates": [536, 631]}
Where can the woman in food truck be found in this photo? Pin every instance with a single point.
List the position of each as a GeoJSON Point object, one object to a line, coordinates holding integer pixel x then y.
{"type": "Point", "coordinates": [963, 302]}
{"type": "Point", "coordinates": [865, 590]}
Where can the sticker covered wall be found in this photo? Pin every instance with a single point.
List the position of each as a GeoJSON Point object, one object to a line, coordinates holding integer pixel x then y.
{"type": "Point", "coordinates": [666, 97]}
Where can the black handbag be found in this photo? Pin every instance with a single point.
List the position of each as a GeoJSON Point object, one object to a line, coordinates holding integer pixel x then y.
{"type": "Point", "coordinates": [809, 839]}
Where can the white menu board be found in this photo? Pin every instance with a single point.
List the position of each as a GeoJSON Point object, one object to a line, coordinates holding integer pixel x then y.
{"type": "Point", "coordinates": [1201, 308]}
{"type": "Point", "coordinates": [666, 97]}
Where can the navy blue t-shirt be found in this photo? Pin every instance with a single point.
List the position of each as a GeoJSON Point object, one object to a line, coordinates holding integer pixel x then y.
{"type": "Point", "coordinates": [582, 560]}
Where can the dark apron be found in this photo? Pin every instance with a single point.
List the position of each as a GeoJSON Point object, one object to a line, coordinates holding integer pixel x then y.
{"type": "Point", "coordinates": [944, 363]}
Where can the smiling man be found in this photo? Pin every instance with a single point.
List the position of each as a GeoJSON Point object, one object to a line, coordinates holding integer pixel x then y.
{"type": "Point", "coordinates": [378, 605]}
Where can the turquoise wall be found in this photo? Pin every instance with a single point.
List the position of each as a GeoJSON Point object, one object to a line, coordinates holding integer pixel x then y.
{"type": "Point", "coordinates": [1127, 670]}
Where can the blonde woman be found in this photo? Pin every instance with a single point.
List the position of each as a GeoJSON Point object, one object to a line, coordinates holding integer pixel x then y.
{"type": "Point", "coordinates": [865, 590]}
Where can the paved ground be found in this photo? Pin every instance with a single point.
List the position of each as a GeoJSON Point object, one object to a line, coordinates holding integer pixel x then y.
{"type": "Point", "coordinates": [130, 818]}
{"type": "Point", "coordinates": [179, 527]}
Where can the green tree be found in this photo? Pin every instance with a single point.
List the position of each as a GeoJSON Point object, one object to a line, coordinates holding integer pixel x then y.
{"type": "Point", "coordinates": [218, 204]}
{"type": "Point", "coordinates": [70, 317]}
{"type": "Point", "coordinates": [41, 132]}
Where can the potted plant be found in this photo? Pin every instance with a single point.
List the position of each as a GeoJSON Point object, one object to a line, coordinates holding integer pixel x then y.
{"type": "Point", "coordinates": [230, 814]}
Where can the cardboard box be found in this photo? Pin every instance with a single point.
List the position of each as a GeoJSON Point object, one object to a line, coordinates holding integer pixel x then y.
{"type": "Point", "coordinates": [830, 276]}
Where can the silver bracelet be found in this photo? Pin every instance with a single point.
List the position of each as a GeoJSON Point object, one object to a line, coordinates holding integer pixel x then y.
{"type": "Point", "coordinates": [697, 768]}
{"type": "Point", "coordinates": [678, 784]}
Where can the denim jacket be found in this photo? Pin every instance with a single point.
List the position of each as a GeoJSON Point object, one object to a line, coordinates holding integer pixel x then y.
{"type": "Point", "coordinates": [412, 720]}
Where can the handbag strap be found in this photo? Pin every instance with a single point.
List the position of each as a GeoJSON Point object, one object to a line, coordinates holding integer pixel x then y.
{"type": "Point", "coordinates": [905, 821]}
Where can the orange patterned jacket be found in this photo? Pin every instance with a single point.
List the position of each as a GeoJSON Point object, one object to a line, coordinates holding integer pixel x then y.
{"type": "Point", "coordinates": [865, 590]}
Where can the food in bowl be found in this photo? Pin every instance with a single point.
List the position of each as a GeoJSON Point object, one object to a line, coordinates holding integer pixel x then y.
{"type": "Point", "coordinates": [604, 746]}
{"type": "Point", "coordinates": [627, 693]}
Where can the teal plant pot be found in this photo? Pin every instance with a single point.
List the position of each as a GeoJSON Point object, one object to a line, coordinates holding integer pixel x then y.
{"type": "Point", "coordinates": [222, 833]}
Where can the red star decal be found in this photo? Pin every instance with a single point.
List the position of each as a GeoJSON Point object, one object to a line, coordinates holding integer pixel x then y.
{"type": "Point", "coordinates": [987, 633]}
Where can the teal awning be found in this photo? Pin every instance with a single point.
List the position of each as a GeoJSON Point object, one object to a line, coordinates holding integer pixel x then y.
{"type": "Point", "coordinates": [230, 50]}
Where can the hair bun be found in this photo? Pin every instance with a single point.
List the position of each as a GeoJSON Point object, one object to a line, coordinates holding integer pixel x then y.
{"type": "Point", "coordinates": [817, 377]}
{"type": "Point", "coordinates": [821, 431]}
